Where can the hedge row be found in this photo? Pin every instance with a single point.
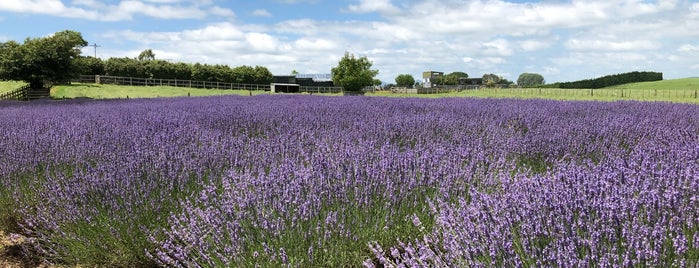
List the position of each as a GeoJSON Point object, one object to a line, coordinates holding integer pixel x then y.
{"type": "Point", "coordinates": [613, 80]}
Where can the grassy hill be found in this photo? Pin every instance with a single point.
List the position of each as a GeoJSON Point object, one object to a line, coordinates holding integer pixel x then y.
{"type": "Point", "coordinates": [672, 84]}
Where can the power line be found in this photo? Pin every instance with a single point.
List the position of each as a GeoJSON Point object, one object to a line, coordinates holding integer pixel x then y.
{"type": "Point", "coordinates": [95, 46]}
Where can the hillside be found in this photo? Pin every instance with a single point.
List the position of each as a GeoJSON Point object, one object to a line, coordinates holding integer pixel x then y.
{"type": "Point", "coordinates": [672, 84]}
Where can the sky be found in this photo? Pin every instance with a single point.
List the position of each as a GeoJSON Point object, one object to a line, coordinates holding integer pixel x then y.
{"type": "Point", "coordinates": [560, 39]}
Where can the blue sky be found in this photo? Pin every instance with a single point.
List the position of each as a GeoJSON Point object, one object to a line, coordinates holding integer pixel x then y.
{"type": "Point", "coordinates": [562, 40]}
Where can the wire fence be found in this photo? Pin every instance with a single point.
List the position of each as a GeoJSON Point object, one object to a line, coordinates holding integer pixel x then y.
{"type": "Point", "coordinates": [598, 93]}
{"type": "Point", "coordinates": [604, 93]}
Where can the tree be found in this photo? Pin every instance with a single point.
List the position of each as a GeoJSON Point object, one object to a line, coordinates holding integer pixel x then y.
{"type": "Point", "coordinates": [42, 60]}
{"type": "Point", "coordinates": [451, 79]}
{"type": "Point", "coordinates": [530, 80]}
{"type": "Point", "coordinates": [263, 75]}
{"type": "Point", "coordinates": [89, 65]}
{"type": "Point", "coordinates": [244, 74]}
{"type": "Point", "coordinates": [504, 81]}
{"type": "Point", "coordinates": [127, 67]}
{"type": "Point", "coordinates": [405, 80]}
{"type": "Point", "coordinates": [353, 73]}
{"type": "Point", "coordinates": [491, 78]}
{"type": "Point", "coordinates": [146, 55]}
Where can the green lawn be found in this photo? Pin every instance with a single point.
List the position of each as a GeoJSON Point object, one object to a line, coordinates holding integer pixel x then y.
{"type": "Point", "coordinates": [673, 84]}
{"type": "Point", "coordinates": [6, 86]}
{"type": "Point", "coordinates": [95, 91]}
{"type": "Point", "coordinates": [676, 90]}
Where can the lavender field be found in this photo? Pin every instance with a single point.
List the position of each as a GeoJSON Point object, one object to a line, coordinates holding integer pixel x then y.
{"type": "Point", "coordinates": [352, 181]}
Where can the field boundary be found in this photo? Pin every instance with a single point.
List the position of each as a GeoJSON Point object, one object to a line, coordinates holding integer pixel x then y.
{"type": "Point", "coordinates": [133, 81]}
{"type": "Point", "coordinates": [603, 92]}
{"type": "Point", "coordinates": [26, 93]}
{"type": "Point", "coordinates": [17, 94]}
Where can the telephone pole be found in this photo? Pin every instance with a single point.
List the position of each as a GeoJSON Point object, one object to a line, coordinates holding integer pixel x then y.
{"type": "Point", "coordinates": [95, 46]}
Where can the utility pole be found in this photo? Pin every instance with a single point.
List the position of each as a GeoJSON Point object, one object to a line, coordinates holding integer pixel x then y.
{"type": "Point", "coordinates": [95, 46]}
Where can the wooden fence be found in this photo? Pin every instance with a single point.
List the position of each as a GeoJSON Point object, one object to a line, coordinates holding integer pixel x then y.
{"type": "Point", "coordinates": [17, 94]}
{"type": "Point", "coordinates": [26, 93]}
{"type": "Point", "coordinates": [132, 81]}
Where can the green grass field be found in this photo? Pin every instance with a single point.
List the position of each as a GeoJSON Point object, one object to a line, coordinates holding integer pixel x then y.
{"type": "Point", "coordinates": [671, 95]}
{"type": "Point", "coordinates": [673, 84]}
{"type": "Point", "coordinates": [94, 91]}
{"type": "Point", "coordinates": [674, 90]}
{"type": "Point", "coordinates": [6, 86]}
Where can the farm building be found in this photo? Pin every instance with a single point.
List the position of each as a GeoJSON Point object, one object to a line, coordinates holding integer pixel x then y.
{"type": "Point", "coordinates": [293, 83]}
{"type": "Point", "coordinates": [429, 77]}
{"type": "Point", "coordinates": [470, 83]}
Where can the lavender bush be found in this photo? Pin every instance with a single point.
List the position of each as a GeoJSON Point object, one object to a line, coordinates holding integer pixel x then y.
{"type": "Point", "coordinates": [324, 181]}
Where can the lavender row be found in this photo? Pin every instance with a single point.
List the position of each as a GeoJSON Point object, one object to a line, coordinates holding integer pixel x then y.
{"type": "Point", "coordinates": [305, 180]}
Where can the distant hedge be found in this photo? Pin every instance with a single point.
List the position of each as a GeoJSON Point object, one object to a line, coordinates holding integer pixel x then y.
{"type": "Point", "coordinates": [613, 80]}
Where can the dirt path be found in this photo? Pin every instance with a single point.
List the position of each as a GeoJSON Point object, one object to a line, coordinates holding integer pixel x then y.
{"type": "Point", "coordinates": [10, 252]}
{"type": "Point", "coordinates": [12, 256]}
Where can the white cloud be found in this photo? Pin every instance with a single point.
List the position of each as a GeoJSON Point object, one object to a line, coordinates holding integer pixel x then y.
{"type": "Point", "coordinates": [548, 70]}
{"type": "Point", "coordinates": [124, 10]}
{"type": "Point", "coordinates": [368, 6]}
{"type": "Point", "coordinates": [498, 47]}
{"type": "Point", "coordinates": [48, 7]}
{"type": "Point", "coordinates": [88, 3]}
{"type": "Point", "coordinates": [315, 44]}
{"type": "Point", "coordinates": [262, 42]}
{"type": "Point", "coordinates": [261, 13]}
{"type": "Point", "coordinates": [610, 45]}
{"type": "Point", "coordinates": [222, 12]}
{"type": "Point", "coordinates": [566, 40]}
{"type": "Point", "coordinates": [533, 45]}
{"type": "Point", "coordinates": [688, 48]}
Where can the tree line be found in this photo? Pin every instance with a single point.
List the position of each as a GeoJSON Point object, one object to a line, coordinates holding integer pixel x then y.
{"type": "Point", "coordinates": [452, 79]}
{"type": "Point", "coordinates": [147, 66]}
{"type": "Point", "coordinates": [613, 80]}
{"type": "Point", "coordinates": [57, 59]}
